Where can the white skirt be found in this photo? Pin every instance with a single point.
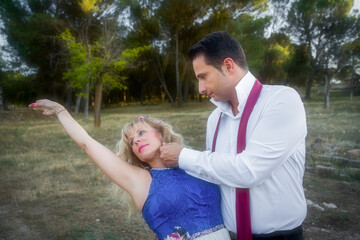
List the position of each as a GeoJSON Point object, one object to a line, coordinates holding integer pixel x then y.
{"type": "Point", "coordinates": [222, 234]}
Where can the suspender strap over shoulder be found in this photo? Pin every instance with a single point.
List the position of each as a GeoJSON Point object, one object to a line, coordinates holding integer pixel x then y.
{"type": "Point", "coordinates": [243, 220]}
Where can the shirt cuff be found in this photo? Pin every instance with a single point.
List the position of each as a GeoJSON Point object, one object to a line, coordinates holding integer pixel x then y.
{"type": "Point", "coordinates": [187, 157]}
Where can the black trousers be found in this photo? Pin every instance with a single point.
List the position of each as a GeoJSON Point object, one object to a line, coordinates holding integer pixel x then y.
{"type": "Point", "coordinates": [294, 234]}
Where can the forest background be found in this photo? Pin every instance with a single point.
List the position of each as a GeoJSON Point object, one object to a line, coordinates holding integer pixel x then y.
{"type": "Point", "coordinates": [129, 58]}
{"type": "Point", "coordinates": [102, 52]}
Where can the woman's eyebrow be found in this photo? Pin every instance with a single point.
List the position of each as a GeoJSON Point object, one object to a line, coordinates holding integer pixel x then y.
{"type": "Point", "coordinates": [137, 131]}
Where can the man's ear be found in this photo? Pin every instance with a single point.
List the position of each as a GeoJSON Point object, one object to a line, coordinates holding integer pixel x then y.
{"type": "Point", "coordinates": [229, 65]}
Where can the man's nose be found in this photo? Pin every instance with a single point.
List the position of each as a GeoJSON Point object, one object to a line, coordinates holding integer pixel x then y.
{"type": "Point", "coordinates": [202, 88]}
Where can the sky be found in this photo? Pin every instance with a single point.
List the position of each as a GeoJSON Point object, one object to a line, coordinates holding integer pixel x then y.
{"type": "Point", "coordinates": [356, 5]}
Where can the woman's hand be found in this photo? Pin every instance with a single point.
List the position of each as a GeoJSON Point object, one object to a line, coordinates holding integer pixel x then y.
{"type": "Point", "coordinates": [48, 107]}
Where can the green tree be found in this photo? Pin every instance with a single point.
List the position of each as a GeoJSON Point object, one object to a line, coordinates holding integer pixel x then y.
{"type": "Point", "coordinates": [171, 27]}
{"type": "Point", "coordinates": [145, 30]}
{"type": "Point", "coordinates": [31, 27]}
{"type": "Point", "coordinates": [17, 88]}
{"type": "Point", "coordinates": [297, 67]}
{"type": "Point", "coordinates": [277, 54]}
{"type": "Point", "coordinates": [322, 25]}
{"type": "Point", "coordinates": [184, 22]}
{"type": "Point", "coordinates": [250, 33]}
{"type": "Point", "coordinates": [176, 18]}
{"type": "Point", "coordinates": [97, 64]}
{"type": "Point", "coordinates": [97, 57]}
{"type": "Point", "coordinates": [350, 63]}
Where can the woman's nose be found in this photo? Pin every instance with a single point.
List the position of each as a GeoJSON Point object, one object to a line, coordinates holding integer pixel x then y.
{"type": "Point", "coordinates": [137, 139]}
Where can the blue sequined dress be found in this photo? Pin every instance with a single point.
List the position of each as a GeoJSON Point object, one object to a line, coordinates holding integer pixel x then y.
{"type": "Point", "coordinates": [181, 205]}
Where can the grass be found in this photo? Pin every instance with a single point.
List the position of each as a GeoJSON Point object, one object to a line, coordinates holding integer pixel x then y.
{"type": "Point", "coordinates": [49, 189]}
{"type": "Point", "coordinates": [333, 132]}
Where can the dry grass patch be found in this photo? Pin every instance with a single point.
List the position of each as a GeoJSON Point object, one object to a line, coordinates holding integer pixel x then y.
{"type": "Point", "coordinates": [49, 189]}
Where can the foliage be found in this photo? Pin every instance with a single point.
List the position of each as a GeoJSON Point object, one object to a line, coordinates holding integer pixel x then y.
{"type": "Point", "coordinates": [89, 5]}
{"type": "Point", "coordinates": [171, 27]}
{"type": "Point", "coordinates": [31, 28]}
{"type": "Point", "coordinates": [249, 32]}
{"type": "Point", "coordinates": [17, 88]}
{"type": "Point", "coordinates": [297, 66]}
{"type": "Point", "coordinates": [71, 43]}
{"type": "Point", "coordinates": [322, 25]}
{"type": "Point", "coordinates": [91, 63]}
{"type": "Point", "coordinates": [350, 59]}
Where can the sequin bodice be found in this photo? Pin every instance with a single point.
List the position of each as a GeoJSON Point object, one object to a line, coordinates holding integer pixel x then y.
{"type": "Point", "coordinates": [178, 202]}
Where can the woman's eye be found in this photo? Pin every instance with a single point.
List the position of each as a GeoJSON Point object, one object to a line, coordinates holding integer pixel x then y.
{"type": "Point", "coordinates": [141, 132]}
{"type": "Point", "coordinates": [131, 142]}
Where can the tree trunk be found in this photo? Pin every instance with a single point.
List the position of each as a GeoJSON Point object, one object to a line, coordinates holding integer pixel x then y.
{"type": "Point", "coordinates": [327, 92]}
{"type": "Point", "coordinates": [159, 71]}
{"type": "Point", "coordinates": [167, 93]}
{"type": "Point", "coordinates": [86, 108]}
{"type": "Point", "coordinates": [186, 90]}
{"type": "Point", "coordinates": [97, 105]}
{"type": "Point", "coordinates": [352, 79]}
{"type": "Point", "coordinates": [142, 94]}
{"type": "Point", "coordinates": [178, 87]}
{"type": "Point", "coordinates": [309, 85]}
{"type": "Point", "coordinates": [1, 100]}
{"type": "Point", "coordinates": [266, 63]}
{"type": "Point", "coordinates": [186, 84]}
{"type": "Point", "coordinates": [77, 104]}
{"type": "Point", "coordinates": [352, 89]}
{"type": "Point", "coordinates": [54, 92]}
{"type": "Point", "coordinates": [312, 64]}
{"type": "Point", "coordinates": [68, 98]}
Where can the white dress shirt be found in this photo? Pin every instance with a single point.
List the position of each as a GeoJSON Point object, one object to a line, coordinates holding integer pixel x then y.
{"type": "Point", "coordinates": [272, 164]}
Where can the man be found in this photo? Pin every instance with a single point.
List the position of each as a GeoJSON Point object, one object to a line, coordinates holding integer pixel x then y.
{"type": "Point", "coordinates": [273, 162]}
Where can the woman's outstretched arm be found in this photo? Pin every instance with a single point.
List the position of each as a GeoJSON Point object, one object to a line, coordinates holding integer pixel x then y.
{"type": "Point", "coordinates": [134, 180]}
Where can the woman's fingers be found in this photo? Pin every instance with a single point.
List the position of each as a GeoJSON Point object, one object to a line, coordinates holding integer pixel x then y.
{"type": "Point", "coordinates": [34, 106]}
{"type": "Point", "coordinates": [38, 105]}
{"type": "Point", "coordinates": [46, 106]}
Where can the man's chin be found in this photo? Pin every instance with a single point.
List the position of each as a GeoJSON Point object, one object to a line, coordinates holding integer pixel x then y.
{"type": "Point", "coordinates": [218, 99]}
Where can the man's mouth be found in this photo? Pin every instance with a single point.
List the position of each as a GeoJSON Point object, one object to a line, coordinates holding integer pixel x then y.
{"type": "Point", "coordinates": [141, 147]}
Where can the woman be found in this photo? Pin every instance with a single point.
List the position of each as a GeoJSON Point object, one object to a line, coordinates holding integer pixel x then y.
{"type": "Point", "coordinates": [174, 204]}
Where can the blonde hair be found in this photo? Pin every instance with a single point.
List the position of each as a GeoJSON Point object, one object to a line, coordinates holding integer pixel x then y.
{"type": "Point", "coordinates": [124, 151]}
{"type": "Point", "coordinates": [123, 147]}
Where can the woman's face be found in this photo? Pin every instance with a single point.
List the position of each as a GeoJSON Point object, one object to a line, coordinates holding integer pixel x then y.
{"type": "Point", "coordinates": [145, 142]}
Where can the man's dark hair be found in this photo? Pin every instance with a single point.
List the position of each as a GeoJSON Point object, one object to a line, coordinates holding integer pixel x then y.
{"type": "Point", "coordinates": [216, 47]}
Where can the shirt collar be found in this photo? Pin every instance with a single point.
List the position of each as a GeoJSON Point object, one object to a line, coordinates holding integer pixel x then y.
{"type": "Point", "coordinates": [243, 89]}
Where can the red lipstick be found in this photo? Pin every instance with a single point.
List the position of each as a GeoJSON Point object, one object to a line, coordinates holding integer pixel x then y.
{"type": "Point", "coordinates": [141, 147]}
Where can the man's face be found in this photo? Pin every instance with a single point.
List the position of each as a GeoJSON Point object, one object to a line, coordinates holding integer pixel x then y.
{"type": "Point", "coordinates": [211, 81]}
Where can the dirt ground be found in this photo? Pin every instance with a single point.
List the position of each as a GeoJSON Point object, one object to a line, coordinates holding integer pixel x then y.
{"type": "Point", "coordinates": [333, 213]}
{"type": "Point", "coordinates": [333, 208]}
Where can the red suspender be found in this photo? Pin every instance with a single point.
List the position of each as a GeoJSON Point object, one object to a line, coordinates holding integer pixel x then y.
{"type": "Point", "coordinates": [243, 221]}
